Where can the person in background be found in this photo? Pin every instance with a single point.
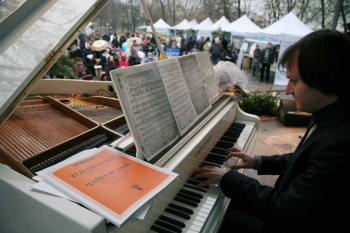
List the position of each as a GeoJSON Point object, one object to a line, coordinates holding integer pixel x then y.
{"type": "Point", "coordinates": [105, 37]}
{"type": "Point", "coordinates": [123, 61]}
{"type": "Point", "coordinates": [79, 65]}
{"type": "Point", "coordinates": [116, 34]}
{"type": "Point", "coordinates": [256, 59]}
{"type": "Point", "coordinates": [137, 47]}
{"type": "Point", "coordinates": [137, 34]}
{"type": "Point", "coordinates": [134, 59]}
{"type": "Point", "coordinates": [312, 191]}
{"type": "Point", "coordinates": [183, 48]}
{"type": "Point", "coordinates": [127, 35]}
{"type": "Point", "coordinates": [149, 58]}
{"type": "Point", "coordinates": [149, 47]}
{"type": "Point", "coordinates": [116, 59]}
{"type": "Point", "coordinates": [82, 38]}
{"type": "Point", "coordinates": [277, 50]}
{"type": "Point", "coordinates": [110, 65]}
{"type": "Point", "coordinates": [143, 37]}
{"type": "Point", "coordinates": [224, 43]}
{"type": "Point", "coordinates": [190, 44]}
{"type": "Point", "coordinates": [104, 58]}
{"type": "Point", "coordinates": [199, 44]}
{"type": "Point", "coordinates": [229, 55]}
{"type": "Point", "coordinates": [173, 42]}
{"type": "Point", "coordinates": [162, 42]}
{"type": "Point", "coordinates": [115, 43]}
{"type": "Point", "coordinates": [266, 60]}
{"type": "Point", "coordinates": [89, 58]}
{"type": "Point", "coordinates": [75, 52]}
{"type": "Point", "coordinates": [178, 41]}
{"type": "Point", "coordinates": [206, 45]}
{"type": "Point", "coordinates": [216, 50]}
{"type": "Point", "coordinates": [122, 39]}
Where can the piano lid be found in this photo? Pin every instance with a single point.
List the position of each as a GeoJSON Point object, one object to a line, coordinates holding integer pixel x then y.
{"type": "Point", "coordinates": [33, 35]}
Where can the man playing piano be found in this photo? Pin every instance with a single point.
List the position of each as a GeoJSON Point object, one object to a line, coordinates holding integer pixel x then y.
{"type": "Point", "coordinates": [312, 193]}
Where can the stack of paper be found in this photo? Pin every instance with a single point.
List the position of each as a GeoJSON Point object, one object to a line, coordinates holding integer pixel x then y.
{"type": "Point", "coordinates": [119, 187]}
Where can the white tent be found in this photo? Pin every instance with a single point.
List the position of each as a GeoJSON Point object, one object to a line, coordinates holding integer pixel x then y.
{"type": "Point", "coordinates": [181, 26]}
{"type": "Point", "coordinates": [191, 25]}
{"type": "Point", "coordinates": [203, 25]}
{"type": "Point", "coordinates": [287, 31]}
{"type": "Point", "coordinates": [221, 23]}
{"type": "Point", "coordinates": [241, 26]}
{"type": "Point", "coordinates": [160, 26]}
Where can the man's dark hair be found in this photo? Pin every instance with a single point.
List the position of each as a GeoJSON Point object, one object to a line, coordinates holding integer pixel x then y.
{"type": "Point", "coordinates": [323, 61]}
{"type": "Point", "coordinates": [77, 59]}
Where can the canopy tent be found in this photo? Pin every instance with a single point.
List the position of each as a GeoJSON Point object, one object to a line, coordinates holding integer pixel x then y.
{"type": "Point", "coordinates": [220, 24]}
{"type": "Point", "coordinates": [191, 25]}
{"type": "Point", "coordinates": [143, 27]}
{"type": "Point", "coordinates": [160, 26]}
{"type": "Point", "coordinates": [181, 25]}
{"type": "Point", "coordinates": [286, 31]}
{"type": "Point", "coordinates": [203, 25]}
{"type": "Point", "coordinates": [241, 26]}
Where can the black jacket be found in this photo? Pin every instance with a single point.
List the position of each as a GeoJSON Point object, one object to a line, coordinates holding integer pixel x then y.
{"type": "Point", "coordinates": [122, 40]}
{"type": "Point", "coordinates": [190, 44]}
{"type": "Point", "coordinates": [105, 37]}
{"type": "Point", "coordinates": [115, 43]}
{"type": "Point", "coordinates": [270, 58]}
{"type": "Point", "coordinates": [87, 61]}
{"type": "Point", "coordinates": [216, 50]}
{"type": "Point", "coordinates": [231, 54]}
{"type": "Point", "coordinates": [134, 61]}
{"type": "Point", "coordinates": [76, 53]}
{"type": "Point", "coordinates": [146, 48]}
{"type": "Point", "coordinates": [313, 189]}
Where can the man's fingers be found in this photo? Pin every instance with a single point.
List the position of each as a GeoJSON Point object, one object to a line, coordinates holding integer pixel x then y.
{"type": "Point", "coordinates": [233, 149]}
{"type": "Point", "coordinates": [234, 154]}
{"type": "Point", "coordinates": [201, 175]}
{"type": "Point", "coordinates": [204, 183]}
{"type": "Point", "coordinates": [201, 169]}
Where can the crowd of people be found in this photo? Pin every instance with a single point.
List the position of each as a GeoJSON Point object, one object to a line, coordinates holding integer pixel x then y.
{"type": "Point", "coordinates": [220, 50]}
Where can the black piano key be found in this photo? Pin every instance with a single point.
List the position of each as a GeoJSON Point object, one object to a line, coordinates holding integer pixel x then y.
{"type": "Point", "coordinates": [181, 208]}
{"type": "Point", "coordinates": [191, 187]}
{"type": "Point", "coordinates": [173, 221]}
{"type": "Point", "coordinates": [191, 193]}
{"type": "Point", "coordinates": [178, 213]}
{"type": "Point", "coordinates": [193, 182]}
{"type": "Point", "coordinates": [228, 139]}
{"type": "Point", "coordinates": [218, 151]}
{"type": "Point", "coordinates": [168, 226]}
{"type": "Point", "coordinates": [194, 199]}
{"type": "Point", "coordinates": [209, 164]}
{"type": "Point", "coordinates": [214, 161]}
{"type": "Point", "coordinates": [218, 157]}
{"type": "Point", "coordinates": [224, 145]}
{"type": "Point", "coordinates": [159, 230]}
{"type": "Point", "coordinates": [185, 201]}
{"type": "Point", "coordinates": [238, 124]}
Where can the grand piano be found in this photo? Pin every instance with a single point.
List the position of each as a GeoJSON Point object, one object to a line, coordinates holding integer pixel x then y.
{"type": "Point", "coordinates": [44, 121]}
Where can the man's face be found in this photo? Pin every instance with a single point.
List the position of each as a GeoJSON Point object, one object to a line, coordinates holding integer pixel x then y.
{"type": "Point", "coordinates": [122, 34]}
{"type": "Point", "coordinates": [133, 55]}
{"type": "Point", "coordinates": [307, 99]}
{"type": "Point", "coordinates": [80, 66]}
{"type": "Point", "coordinates": [229, 48]}
{"type": "Point", "coordinates": [216, 42]}
{"type": "Point", "coordinates": [268, 46]}
{"type": "Point", "coordinates": [149, 57]}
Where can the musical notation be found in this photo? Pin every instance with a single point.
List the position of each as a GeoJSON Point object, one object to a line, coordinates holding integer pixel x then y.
{"type": "Point", "coordinates": [153, 123]}
{"type": "Point", "coordinates": [194, 80]}
{"type": "Point", "coordinates": [178, 93]}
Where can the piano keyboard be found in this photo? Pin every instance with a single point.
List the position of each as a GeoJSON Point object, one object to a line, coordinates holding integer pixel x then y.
{"type": "Point", "coordinates": [191, 207]}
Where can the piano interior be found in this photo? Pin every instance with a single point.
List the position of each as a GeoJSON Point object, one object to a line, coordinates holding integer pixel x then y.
{"type": "Point", "coordinates": [43, 127]}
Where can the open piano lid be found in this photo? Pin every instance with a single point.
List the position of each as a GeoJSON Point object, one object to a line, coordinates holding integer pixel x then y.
{"type": "Point", "coordinates": [33, 35]}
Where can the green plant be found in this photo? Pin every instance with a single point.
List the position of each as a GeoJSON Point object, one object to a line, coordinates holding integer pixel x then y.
{"type": "Point", "coordinates": [64, 66]}
{"type": "Point", "coordinates": [260, 103]}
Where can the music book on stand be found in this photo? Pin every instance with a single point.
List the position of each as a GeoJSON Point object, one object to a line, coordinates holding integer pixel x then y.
{"type": "Point", "coordinates": [110, 183]}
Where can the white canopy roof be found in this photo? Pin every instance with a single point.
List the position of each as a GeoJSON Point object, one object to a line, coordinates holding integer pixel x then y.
{"type": "Point", "coordinates": [241, 26]}
{"type": "Point", "coordinates": [160, 26]}
{"type": "Point", "coordinates": [221, 23]}
{"type": "Point", "coordinates": [191, 24]}
{"type": "Point", "coordinates": [182, 25]}
{"type": "Point", "coordinates": [288, 26]}
{"type": "Point", "coordinates": [204, 24]}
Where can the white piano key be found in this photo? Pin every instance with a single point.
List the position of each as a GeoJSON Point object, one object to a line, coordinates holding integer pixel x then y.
{"type": "Point", "coordinates": [187, 222]}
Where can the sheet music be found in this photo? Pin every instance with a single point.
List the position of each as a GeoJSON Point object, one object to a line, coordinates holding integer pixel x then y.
{"type": "Point", "coordinates": [211, 83]}
{"type": "Point", "coordinates": [179, 96]}
{"type": "Point", "coordinates": [195, 83]}
{"type": "Point", "coordinates": [152, 121]}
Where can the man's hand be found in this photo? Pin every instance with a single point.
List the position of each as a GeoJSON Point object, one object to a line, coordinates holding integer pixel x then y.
{"type": "Point", "coordinates": [227, 57]}
{"type": "Point", "coordinates": [247, 158]}
{"type": "Point", "coordinates": [212, 174]}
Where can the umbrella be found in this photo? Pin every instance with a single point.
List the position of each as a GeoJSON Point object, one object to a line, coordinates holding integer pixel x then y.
{"type": "Point", "coordinates": [99, 45]}
{"type": "Point", "coordinates": [143, 27]}
{"type": "Point", "coordinates": [130, 41]}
